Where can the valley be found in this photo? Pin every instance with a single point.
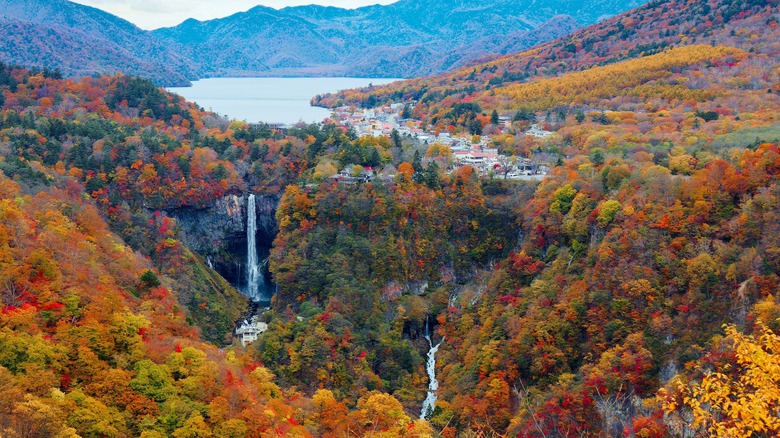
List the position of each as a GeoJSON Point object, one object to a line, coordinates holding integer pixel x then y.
{"type": "Point", "coordinates": [579, 238]}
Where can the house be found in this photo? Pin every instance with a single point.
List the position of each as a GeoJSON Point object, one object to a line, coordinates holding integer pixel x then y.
{"type": "Point", "coordinates": [537, 132]}
{"type": "Point", "coordinates": [347, 175]}
{"type": "Point", "coordinates": [346, 172]}
{"type": "Point", "coordinates": [524, 167]}
{"type": "Point", "coordinates": [479, 160]}
{"type": "Point", "coordinates": [367, 174]}
{"type": "Point", "coordinates": [459, 146]}
{"type": "Point", "coordinates": [250, 331]}
{"type": "Point", "coordinates": [444, 138]}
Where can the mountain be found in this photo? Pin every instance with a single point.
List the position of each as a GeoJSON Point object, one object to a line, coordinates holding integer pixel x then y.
{"type": "Point", "coordinates": [81, 40]}
{"type": "Point", "coordinates": [632, 292]}
{"type": "Point", "coordinates": [405, 39]}
{"type": "Point", "coordinates": [510, 43]}
{"type": "Point", "coordinates": [423, 60]}
{"type": "Point", "coordinates": [644, 31]}
{"type": "Point", "coordinates": [75, 53]}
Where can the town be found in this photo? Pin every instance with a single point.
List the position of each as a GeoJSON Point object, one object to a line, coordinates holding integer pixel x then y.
{"type": "Point", "coordinates": [478, 151]}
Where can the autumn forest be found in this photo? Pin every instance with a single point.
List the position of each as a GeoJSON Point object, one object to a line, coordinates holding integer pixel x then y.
{"type": "Point", "coordinates": [632, 292]}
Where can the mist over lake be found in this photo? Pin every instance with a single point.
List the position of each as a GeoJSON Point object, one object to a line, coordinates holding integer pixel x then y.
{"type": "Point", "coordinates": [270, 100]}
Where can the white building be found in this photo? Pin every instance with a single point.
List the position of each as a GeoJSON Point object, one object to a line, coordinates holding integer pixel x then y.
{"type": "Point", "coordinates": [479, 160]}
{"type": "Point", "coordinates": [250, 331]}
{"type": "Point", "coordinates": [537, 132]}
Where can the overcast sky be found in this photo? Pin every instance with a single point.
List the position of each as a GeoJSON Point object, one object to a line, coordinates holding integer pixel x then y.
{"type": "Point", "coordinates": [152, 14]}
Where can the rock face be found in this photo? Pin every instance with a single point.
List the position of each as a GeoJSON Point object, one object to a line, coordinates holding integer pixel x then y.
{"type": "Point", "coordinates": [266, 218]}
{"type": "Point", "coordinates": [218, 232]}
{"type": "Point", "coordinates": [206, 230]}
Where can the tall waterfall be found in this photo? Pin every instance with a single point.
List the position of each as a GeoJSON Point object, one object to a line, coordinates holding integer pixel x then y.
{"type": "Point", "coordinates": [254, 271]}
{"type": "Point", "coordinates": [430, 400]}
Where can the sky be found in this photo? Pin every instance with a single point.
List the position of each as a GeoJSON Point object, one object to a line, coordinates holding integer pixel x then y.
{"type": "Point", "coordinates": [153, 14]}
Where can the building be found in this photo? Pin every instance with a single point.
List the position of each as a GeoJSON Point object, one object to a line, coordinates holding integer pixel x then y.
{"type": "Point", "coordinates": [347, 175]}
{"type": "Point", "coordinates": [537, 132]}
{"type": "Point", "coordinates": [250, 331]}
{"type": "Point", "coordinates": [478, 160]}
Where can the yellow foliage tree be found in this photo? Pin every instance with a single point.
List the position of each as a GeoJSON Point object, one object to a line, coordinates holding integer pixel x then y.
{"type": "Point", "coordinates": [634, 77]}
{"type": "Point", "coordinates": [739, 401]}
{"type": "Point", "coordinates": [384, 416]}
{"type": "Point", "coordinates": [324, 169]}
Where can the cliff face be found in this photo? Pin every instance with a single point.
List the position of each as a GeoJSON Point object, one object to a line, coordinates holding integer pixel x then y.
{"type": "Point", "coordinates": [218, 232]}
{"type": "Point", "coordinates": [211, 230]}
{"type": "Point", "coordinates": [208, 230]}
{"type": "Point", "coordinates": [266, 218]}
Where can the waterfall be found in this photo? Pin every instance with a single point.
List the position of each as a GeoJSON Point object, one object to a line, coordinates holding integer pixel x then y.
{"type": "Point", "coordinates": [254, 270]}
{"type": "Point", "coordinates": [430, 400]}
{"type": "Point", "coordinates": [452, 300]}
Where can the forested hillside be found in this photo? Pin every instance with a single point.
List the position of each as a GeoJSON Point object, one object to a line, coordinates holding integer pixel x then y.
{"type": "Point", "coordinates": [615, 276]}
{"type": "Point", "coordinates": [647, 30]}
{"type": "Point", "coordinates": [103, 307]}
{"type": "Point", "coordinates": [80, 41]}
{"type": "Point", "coordinates": [403, 39]}
{"type": "Point", "coordinates": [633, 292]}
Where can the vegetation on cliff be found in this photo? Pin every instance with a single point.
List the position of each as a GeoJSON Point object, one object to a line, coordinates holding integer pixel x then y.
{"type": "Point", "coordinates": [590, 303]}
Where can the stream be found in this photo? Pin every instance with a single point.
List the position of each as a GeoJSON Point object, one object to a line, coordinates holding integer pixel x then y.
{"type": "Point", "coordinates": [429, 404]}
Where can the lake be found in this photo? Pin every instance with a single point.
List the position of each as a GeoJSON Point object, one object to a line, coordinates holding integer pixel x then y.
{"type": "Point", "coordinates": [270, 100]}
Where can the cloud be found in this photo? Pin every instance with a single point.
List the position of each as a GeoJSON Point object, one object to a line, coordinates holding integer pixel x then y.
{"type": "Point", "coordinates": [152, 14]}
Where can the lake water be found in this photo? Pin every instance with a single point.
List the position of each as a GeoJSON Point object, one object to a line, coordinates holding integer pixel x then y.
{"type": "Point", "coordinates": [270, 100]}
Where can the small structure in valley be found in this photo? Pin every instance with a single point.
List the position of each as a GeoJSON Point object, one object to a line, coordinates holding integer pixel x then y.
{"type": "Point", "coordinates": [250, 330]}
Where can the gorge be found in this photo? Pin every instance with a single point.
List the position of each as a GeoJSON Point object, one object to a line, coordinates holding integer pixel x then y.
{"type": "Point", "coordinates": [599, 301]}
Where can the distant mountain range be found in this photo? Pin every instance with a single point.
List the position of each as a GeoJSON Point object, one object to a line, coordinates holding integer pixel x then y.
{"type": "Point", "coordinates": [81, 40]}
{"type": "Point", "coordinates": [653, 28]}
{"type": "Point", "coordinates": [403, 39]}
